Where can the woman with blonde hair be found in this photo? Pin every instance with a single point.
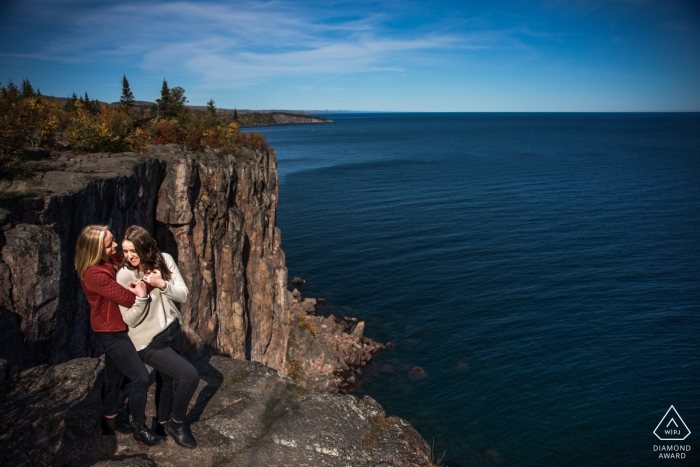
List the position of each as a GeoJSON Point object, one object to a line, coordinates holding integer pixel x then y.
{"type": "Point", "coordinates": [95, 257]}
{"type": "Point", "coordinates": [156, 332]}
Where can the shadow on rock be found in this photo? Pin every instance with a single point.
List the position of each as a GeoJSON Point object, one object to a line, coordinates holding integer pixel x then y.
{"type": "Point", "coordinates": [51, 416]}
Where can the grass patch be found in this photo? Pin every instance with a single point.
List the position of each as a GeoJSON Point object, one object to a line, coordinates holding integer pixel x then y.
{"type": "Point", "coordinates": [379, 424]}
{"type": "Point", "coordinates": [305, 324]}
{"type": "Point", "coordinates": [237, 378]}
{"type": "Point", "coordinates": [295, 371]}
{"type": "Point", "coordinates": [296, 390]}
{"type": "Point", "coordinates": [433, 462]}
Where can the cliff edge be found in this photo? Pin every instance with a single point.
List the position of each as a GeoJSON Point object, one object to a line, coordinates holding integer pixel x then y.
{"type": "Point", "coordinates": [243, 414]}
{"type": "Point", "coordinates": [215, 214]}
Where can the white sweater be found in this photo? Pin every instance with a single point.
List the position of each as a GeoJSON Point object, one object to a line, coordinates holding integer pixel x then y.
{"type": "Point", "coordinates": [145, 323]}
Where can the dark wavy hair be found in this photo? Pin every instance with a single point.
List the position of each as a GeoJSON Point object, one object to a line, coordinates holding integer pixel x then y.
{"type": "Point", "coordinates": [147, 249]}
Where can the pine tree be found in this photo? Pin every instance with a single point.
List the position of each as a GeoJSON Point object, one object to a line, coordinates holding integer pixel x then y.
{"type": "Point", "coordinates": [92, 106]}
{"type": "Point", "coordinates": [235, 115]}
{"type": "Point", "coordinates": [164, 101]}
{"type": "Point", "coordinates": [177, 101]}
{"type": "Point", "coordinates": [211, 107]}
{"type": "Point", "coordinates": [69, 106]}
{"type": "Point", "coordinates": [11, 93]}
{"type": "Point", "coordinates": [127, 96]}
{"type": "Point", "coordinates": [27, 89]}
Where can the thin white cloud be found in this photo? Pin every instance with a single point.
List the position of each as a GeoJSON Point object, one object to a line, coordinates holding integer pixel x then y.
{"type": "Point", "coordinates": [233, 45]}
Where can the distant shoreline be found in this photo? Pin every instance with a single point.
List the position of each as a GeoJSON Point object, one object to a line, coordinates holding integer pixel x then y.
{"type": "Point", "coordinates": [245, 118]}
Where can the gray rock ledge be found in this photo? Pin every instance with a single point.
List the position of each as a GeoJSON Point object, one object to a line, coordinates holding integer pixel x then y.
{"type": "Point", "coordinates": [243, 414]}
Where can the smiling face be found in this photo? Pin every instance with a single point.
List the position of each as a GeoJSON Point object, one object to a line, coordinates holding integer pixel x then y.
{"type": "Point", "coordinates": [130, 253]}
{"type": "Point", "coordinates": [110, 246]}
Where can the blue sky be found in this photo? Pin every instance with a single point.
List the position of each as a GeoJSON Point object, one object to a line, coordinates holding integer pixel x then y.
{"type": "Point", "coordinates": [550, 55]}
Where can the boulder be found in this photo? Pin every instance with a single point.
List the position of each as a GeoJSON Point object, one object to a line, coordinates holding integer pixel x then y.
{"type": "Point", "coordinates": [327, 353]}
{"type": "Point", "coordinates": [417, 373]}
{"type": "Point", "coordinates": [29, 279]}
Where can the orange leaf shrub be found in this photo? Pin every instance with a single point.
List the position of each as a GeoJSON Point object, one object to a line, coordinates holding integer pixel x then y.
{"type": "Point", "coordinates": [166, 131]}
{"type": "Point", "coordinates": [110, 130]}
{"type": "Point", "coordinates": [25, 120]}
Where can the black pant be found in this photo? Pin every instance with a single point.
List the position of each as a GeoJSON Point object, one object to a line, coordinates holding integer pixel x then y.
{"type": "Point", "coordinates": [121, 358]}
{"type": "Point", "coordinates": [163, 354]}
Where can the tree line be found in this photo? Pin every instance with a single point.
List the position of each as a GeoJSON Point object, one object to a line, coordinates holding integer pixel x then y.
{"type": "Point", "coordinates": [84, 125]}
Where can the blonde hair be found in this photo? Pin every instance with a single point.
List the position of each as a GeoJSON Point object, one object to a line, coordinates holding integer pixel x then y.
{"type": "Point", "coordinates": [89, 248]}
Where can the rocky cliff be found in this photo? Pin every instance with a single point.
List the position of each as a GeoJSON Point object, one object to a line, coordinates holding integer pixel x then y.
{"type": "Point", "coordinates": [243, 414]}
{"type": "Point", "coordinates": [215, 214]}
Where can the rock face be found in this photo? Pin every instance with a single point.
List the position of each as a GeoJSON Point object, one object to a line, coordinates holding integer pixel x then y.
{"type": "Point", "coordinates": [325, 354]}
{"type": "Point", "coordinates": [215, 214]}
{"type": "Point", "coordinates": [243, 414]}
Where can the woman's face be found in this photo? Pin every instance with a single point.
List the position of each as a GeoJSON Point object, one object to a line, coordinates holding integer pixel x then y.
{"type": "Point", "coordinates": [130, 253]}
{"type": "Point", "coordinates": [110, 247]}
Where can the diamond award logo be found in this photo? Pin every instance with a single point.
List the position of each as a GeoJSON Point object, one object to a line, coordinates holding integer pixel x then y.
{"type": "Point", "coordinates": [672, 427]}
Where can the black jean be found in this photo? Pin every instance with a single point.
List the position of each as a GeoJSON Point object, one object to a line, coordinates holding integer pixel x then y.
{"type": "Point", "coordinates": [163, 354]}
{"type": "Point", "coordinates": [121, 358]}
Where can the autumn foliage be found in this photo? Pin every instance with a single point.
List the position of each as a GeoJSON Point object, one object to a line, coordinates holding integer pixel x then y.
{"type": "Point", "coordinates": [109, 130]}
{"type": "Point", "coordinates": [27, 119]}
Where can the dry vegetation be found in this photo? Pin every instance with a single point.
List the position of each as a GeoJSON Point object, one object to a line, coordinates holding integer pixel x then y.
{"type": "Point", "coordinates": [28, 119]}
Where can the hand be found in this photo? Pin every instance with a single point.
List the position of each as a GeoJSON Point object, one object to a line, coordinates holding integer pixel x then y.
{"type": "Point", "coordinates": [138, 288]}
{"type": "Point", "coordinates": [154, 278]}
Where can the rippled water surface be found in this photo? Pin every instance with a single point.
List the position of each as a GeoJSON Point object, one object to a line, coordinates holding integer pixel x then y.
{"type": "Point", "coordinates": [544, 270]}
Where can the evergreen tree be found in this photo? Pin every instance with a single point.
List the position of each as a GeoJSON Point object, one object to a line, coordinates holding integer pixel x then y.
{"type": "Point", "coordinates": [27, 89]}
{"type": "Point", "coordinates": [211, 107]}
{"type": "Point", "coordinates": [177, 101]}
{"type": "Point", "coordinates": [127, 96]}
{"type": "Point", "coordinates": [164, 101]}
{"type": "Point", "coordinates": [235, 115]}
{"type": "Point", "coordinates": [69, 106]}
{"type": "Point", "coordinates": [11, 93]}
{"type": "Point", "coordinates": [92, 106]}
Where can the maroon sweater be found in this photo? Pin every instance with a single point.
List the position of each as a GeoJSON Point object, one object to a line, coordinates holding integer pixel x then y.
{"type": "Point", "coordinates": [104, 294]}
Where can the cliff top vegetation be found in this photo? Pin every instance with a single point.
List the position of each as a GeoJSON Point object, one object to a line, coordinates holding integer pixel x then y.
{"type": "Point", "coordinates": [84, 125]}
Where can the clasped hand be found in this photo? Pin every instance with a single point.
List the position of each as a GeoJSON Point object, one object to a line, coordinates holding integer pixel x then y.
{"type": "Point", "coordinates": [154, 278]}
{"type": "Point", "coordinates": [138, 288]}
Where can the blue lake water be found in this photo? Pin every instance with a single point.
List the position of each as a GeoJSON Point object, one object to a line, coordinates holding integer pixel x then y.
{"type": "Point", "coordinates": [543, 269]}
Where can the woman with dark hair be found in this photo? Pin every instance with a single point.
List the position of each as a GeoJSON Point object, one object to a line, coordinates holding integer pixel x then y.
{"type": "Point", "coordinates": [156, 332]}
{"type": "Point", "coordinates": [94, 261]}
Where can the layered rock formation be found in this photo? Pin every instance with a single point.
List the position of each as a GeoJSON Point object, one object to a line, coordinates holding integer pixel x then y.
{"type": "Point", "coordinates": [243, 414]}
{"type": "Point", "coordinates": [326, 353]}
{"type": "Point", "coordinates": [215, 214]}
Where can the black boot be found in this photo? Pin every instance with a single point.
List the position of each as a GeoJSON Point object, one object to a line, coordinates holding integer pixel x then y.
{"type": "Point", "coordinates": [144, 435]}
{"type": "Point", "coordinates": [110, 425]}
{"type": "Point", "coordinates": [181, 433]}
{"type": "Point", "coordinates": [157, 427]}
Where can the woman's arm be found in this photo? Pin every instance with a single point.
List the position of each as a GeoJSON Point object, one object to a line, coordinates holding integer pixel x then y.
{"type": "Point", "coordinates": [99, 281]}
{"type": "Point", "coordinates": [175, 289]}
{"type": "Point", "coordinates": [135, 314]}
